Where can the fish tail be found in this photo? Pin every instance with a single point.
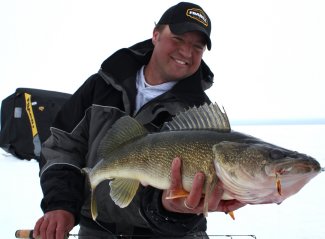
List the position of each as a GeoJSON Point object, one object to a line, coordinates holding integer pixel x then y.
{"type": "Point", "coordinates": [86, 172]}
{"type": "Point", "coordinates": [93, 204]}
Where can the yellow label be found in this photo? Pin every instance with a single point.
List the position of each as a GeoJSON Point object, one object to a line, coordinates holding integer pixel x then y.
{"type": "Point", "coordinates": [30, 113]}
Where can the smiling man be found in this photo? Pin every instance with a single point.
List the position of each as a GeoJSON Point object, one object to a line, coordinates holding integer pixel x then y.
{"type": "Point", "coordinates": [180, 39]}
{"type": "Point", "coordinates": [151, 81]}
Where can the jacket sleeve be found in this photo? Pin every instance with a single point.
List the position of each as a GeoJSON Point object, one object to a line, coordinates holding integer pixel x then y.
{"type": "Point", "coordinates": [167, 223]}
{"type": "Point", "coordinates": [62, 188]}
{"type": "Point", "coordinates": [63, 154]}
{"type": "Point", "coordinates": [62, 180]}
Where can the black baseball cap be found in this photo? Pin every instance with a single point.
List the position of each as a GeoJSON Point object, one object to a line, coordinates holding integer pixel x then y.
{"type": "Point", "coordinates": [186, 17]}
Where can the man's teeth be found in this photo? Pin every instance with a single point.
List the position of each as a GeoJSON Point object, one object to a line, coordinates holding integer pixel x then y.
{"type": "Point", "coordinates": [181, 62]}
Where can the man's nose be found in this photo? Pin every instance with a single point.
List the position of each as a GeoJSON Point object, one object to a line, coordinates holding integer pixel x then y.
{"type": "Point", "coordinates": [186, 50]}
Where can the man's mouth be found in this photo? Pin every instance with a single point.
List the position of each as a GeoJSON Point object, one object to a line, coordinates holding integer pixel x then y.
{"type": "Point", "coordinates": [181, 62]}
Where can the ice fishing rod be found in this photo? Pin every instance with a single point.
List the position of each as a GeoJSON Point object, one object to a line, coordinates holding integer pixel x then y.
{"type": "Point", "coordinates": [28, 234]}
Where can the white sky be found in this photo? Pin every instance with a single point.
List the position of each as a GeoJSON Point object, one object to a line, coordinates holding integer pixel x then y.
{"type": "Point", "coordinates": [268, 56]}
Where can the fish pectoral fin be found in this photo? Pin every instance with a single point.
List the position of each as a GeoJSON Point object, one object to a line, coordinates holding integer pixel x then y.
{"type": "Point", "coordinates": [177, 193]}
{"type": "Point", "coordinates": [210, 184]}
{"type": "Point", "coordinates": [123, 191]}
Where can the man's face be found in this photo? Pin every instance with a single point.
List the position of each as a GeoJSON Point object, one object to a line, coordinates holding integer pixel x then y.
{"type": "Point", "coordinates": [177, 56]}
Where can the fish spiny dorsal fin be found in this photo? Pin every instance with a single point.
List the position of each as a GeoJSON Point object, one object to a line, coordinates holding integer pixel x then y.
{"type": "Point", "coordinates": [123, 130]}
{"type": "Point", "coordinates": [208, 117]}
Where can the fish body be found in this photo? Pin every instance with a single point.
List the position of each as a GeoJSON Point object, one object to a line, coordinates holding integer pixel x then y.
{"type": "Point", "coordinates": [250, 170]}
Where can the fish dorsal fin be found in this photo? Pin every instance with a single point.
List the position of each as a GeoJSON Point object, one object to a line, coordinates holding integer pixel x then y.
{"type": "Point", "coordinates": [208, 117]}
{"type": "Point", "coordinates": [123, 130]}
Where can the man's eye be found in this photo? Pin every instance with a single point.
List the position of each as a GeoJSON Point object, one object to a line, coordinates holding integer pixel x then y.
{"type": "Point", "coordinates": [200, 47]}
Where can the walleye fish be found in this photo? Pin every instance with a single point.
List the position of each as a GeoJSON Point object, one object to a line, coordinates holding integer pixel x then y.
{"type": "Point", "coordinates": [250, 170]}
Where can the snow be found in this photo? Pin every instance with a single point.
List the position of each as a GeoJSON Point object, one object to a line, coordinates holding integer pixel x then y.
{"type": "Point", "coordinates": [21, 194]}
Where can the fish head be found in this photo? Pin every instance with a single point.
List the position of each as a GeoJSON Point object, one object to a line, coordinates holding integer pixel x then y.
{"type": "Point", "coordinates": [261, 173]}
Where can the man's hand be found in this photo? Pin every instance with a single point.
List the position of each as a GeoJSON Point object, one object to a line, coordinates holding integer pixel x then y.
{"type": "Point", "coordinates": [54, 225]}
{"type": "Point", "coordinates": [193, 203]}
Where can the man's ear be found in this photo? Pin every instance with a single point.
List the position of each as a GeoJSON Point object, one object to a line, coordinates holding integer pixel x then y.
{"type": "Point", "coordinates": [155, 37]}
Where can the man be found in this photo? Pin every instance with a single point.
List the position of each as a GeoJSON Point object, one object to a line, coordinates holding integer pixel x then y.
{"type": "Point", "coordinates": [152, 81]}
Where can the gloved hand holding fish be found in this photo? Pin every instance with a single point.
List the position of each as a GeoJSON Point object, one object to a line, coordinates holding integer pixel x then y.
{"type": "Point", "coordinates": [250, 170]}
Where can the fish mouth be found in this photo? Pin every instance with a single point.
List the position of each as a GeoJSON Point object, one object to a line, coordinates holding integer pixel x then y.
{"type": "Point", "coordinates": [292, 166]}
{"type": "Point", "coordinates": [291, 175]}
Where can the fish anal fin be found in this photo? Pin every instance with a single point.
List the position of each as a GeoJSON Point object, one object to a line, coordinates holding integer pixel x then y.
{"type": "Point", "coordinates": [123, 191]}
{"type": "Point", "coordinates": [177, 193]}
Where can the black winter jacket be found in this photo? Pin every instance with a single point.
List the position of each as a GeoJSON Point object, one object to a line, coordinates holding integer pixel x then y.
{"type": "Point", "coordinates": [80, 125]}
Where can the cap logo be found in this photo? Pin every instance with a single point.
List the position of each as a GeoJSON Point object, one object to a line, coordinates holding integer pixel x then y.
{"type": "Point", "coordinates": [198, 15]}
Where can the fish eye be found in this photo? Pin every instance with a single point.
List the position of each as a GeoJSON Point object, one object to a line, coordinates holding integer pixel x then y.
{"type": "Point", "coordinates": [277, 154]}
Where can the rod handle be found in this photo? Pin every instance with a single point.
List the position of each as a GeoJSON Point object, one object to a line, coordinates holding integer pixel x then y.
{"type": "Point", "coordinates": [28, 234]}
{"type": "Point", "coordinates": [24, 233]}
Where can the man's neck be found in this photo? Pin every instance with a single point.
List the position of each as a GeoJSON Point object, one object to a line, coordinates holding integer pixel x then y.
{"type": "Point", "coordinates": [152, 76]}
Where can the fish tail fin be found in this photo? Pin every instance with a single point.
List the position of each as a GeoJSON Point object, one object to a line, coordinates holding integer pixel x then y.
{"type": "Point", "coordinates": [86, 172]}
{"type": "Point", "coordinates": [93, 206]}
{"type": "Point", "coordinates": [123, 190]}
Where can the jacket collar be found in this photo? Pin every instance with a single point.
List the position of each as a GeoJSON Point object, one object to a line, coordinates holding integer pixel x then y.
{"type": "Point", "coordinates": [188, 91]}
